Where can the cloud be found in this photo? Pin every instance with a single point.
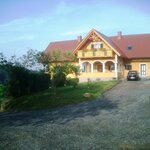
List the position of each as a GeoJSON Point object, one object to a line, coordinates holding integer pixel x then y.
{"type": "Point", "coordinates": [17, 38]}
{"type": "Point", "coordinates": [63, 8]}
{"type": "Point", "coordinates": [25, 29]}
{"type": "Point", "coordinates": [19, 30]}
{"type": "Point", "coordinates": [23, 24]}
{"type": "Point", "coordinates": [77, 31]}
{"type": "Point", "coordinates": [24, 38]}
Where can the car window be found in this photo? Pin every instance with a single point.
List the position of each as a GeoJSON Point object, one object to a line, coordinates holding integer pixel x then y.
{"type": "Point", "coordinates": [132, 72]}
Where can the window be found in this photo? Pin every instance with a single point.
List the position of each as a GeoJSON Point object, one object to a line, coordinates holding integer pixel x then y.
{"type": "Point", "coordinates": [97, 45]}
{"type": "Point", "coordinates": [128, 67]}
{"type": "Point", "coordinates": [101, 45]}
{"type": "Point", "coordinates": [129, 47]}
{"type": "Point", "coordinates": [92, 46]}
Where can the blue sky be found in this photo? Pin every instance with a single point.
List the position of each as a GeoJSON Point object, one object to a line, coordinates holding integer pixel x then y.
{"type": "Point", "coordinates": [33, 24]}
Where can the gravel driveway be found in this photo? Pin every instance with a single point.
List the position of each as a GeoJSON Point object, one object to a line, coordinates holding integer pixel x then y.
{"type": "Point", "coordinates": [117, 121]}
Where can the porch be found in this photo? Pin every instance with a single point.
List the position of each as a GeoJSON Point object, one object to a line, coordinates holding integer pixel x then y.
{"type": "Point", "coordinates": [99, 69]}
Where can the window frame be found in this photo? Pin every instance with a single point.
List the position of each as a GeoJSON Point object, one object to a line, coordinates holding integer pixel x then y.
{"type": "Point", "coordinates": [97, 45]}
{"type": "Point", "coordinates": [128, 67]}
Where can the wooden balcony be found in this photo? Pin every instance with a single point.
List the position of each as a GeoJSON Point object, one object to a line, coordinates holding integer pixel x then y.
{"type": "Point", "coordinates": [100, 53]}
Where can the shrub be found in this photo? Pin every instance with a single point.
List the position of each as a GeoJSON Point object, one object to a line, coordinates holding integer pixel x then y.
{"type": "Point", "coordinates": [19, 81]}
{"type": "Point", "coordinates": [4, 77]}
{"type": "Point", "coordinates": [2, 95]}
{"type": "Point", "coordinates": [2, 91]}
{"type": "Point", "coordinates": [39, 81]}
{"type": "Point", "coordinates": [59, 79]}
{"type": "Point", "coordinates": [72, 82]}
{"type": "Point", "coordinates": [23, 81]}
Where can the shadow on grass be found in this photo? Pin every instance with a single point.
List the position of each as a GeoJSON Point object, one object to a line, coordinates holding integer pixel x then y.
{"type": "Point", "coordinates": [58, 116]}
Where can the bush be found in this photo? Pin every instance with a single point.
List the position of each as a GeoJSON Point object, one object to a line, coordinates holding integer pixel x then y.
{"type": "Point", "coordinates": [23, 81]}
{"type": "Point", "coordinates": [39, 81]}
{"type": "Point", "coordinates": [2, 91]}
{"type": "Point", "coordinates": [4, 77]}
{"type": "Point", "coordinates": [72, 82]}
{"type": "Point", "coordinates": [2, 95]}
{"type": "Point", "coordinates": [59, 79]}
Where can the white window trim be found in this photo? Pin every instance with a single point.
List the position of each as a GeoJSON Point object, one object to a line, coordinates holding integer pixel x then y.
{"type": "Point", "coordinates": [97, 45]}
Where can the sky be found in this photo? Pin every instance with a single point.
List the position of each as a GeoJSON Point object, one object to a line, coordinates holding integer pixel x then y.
{"type": "Point", "coordinates": [33, 24]}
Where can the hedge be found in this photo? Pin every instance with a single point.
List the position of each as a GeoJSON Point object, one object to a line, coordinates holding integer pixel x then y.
{"type": "Point", "coordinates": [23, 81]}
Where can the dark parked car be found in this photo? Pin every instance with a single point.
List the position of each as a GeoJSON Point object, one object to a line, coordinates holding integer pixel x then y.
{"type": "Point", "coordinates": [133, 75]}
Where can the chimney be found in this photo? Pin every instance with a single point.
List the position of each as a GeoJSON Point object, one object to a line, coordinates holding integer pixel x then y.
{"type": "Point", "coordinates": [79, 38]}
{"type": "Point", "coordinates": [119, 37]}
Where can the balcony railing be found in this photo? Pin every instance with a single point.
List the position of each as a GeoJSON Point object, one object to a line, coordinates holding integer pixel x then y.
{"type": "Point", "coordinates": [104, 53]}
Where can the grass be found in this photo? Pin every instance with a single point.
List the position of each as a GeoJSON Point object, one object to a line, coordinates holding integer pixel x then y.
{"type": "Point", "coordinates": [63, 96]}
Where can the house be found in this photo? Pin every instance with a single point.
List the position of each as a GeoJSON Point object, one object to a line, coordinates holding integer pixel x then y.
{"type": "Point", "coordinates": [102, 57]}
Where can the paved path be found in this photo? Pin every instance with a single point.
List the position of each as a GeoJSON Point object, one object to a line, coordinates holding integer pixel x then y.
{"type": "Point", "coordinates": [120, 119]}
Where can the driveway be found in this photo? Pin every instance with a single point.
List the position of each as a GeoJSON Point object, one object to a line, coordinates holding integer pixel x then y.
{"type": "Point", "coordinates": [118, 120]}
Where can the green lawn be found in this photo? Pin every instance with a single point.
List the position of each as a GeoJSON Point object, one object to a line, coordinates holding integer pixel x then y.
{"type": "Point", "coordinates": [64, 96]}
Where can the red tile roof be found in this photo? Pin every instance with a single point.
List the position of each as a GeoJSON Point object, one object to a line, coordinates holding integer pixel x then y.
{"type": "Point", "coordinates": [139, 45]}
{"type": "Point", "coordinates": [62, 46]}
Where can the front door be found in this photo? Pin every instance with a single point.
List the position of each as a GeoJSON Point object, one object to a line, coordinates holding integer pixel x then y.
{"type": "Point", "coordinates": [143, 69]}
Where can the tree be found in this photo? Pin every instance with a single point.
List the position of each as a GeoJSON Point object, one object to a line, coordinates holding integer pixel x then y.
{"type": "Point", "coordinates": [59, 66]}
{"type": "Point", "coordinates": [60, 62]}
{"type": "Point", "coordinates": [30, 60]}
{"type": "Point", "coordinates": [44, 59]}
{"type": "Point", "coordinates": [2, 59]}
{"type": "Point", "coordinates": [19, 80]}
{"type": "Point", "coordinates": [14, 61]}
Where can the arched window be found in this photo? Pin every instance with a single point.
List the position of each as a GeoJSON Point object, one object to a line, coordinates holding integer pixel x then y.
{"type": "Point", "coordinates": [86, 67]}
{"type": "Point", "coordinates": [109, 66]}
{"type": "Point", "coordinates": [98, 67]}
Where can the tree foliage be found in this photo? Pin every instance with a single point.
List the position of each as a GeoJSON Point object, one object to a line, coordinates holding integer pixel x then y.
{"type": "Point", "coordinates": [18, 79]}
{"type": "Point", "coordinates": [16, 72]}
{"type": "Point", "coordinates": [24, 81]}
{"type": "Point", "coordinates": [30, 60]}
{"type": "Point", "coordinates": [2, 59]}
{"type": "Point", "coordinates": [59, 65]}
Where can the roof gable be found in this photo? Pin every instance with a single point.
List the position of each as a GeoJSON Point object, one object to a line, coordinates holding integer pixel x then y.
{"type": "Point", "coordinates": [93, 34]}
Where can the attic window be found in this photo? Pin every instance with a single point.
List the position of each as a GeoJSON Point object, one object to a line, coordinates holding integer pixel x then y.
{"type": "Point", "coordinates": [97, 45]}
{"type": "Point", "coordinates": [129, 47]}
